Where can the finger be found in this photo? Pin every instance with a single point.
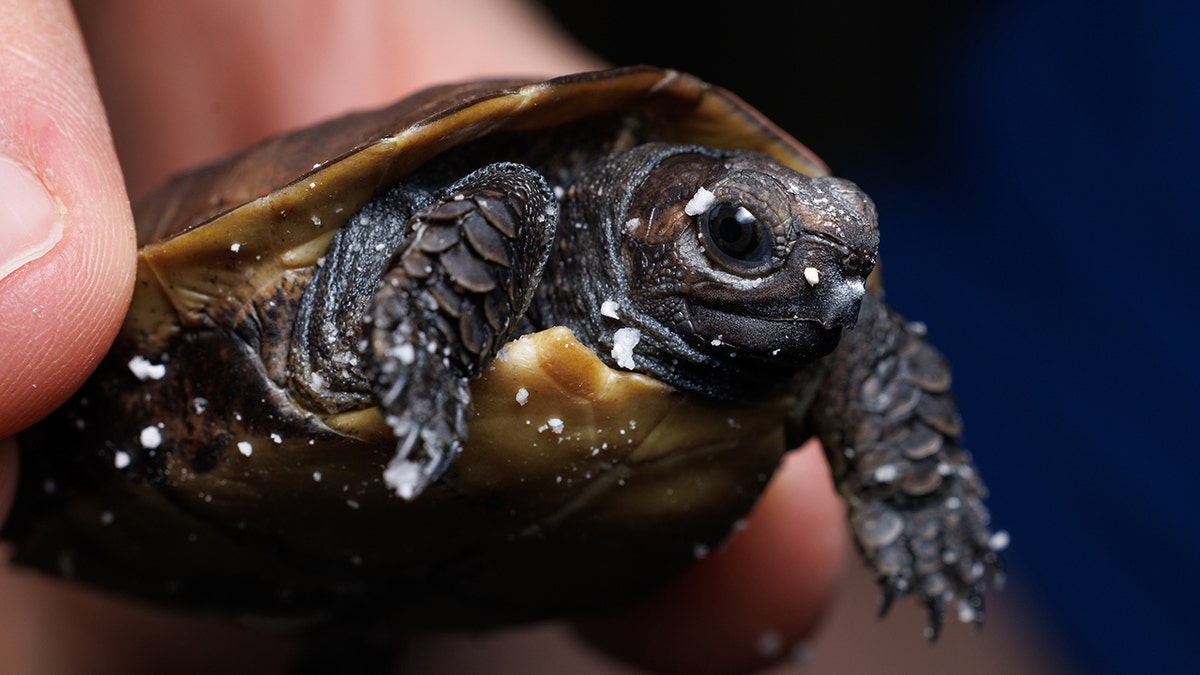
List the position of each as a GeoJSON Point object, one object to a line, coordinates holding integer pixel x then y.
{"type": "Point", "coordinates": [753, 599]}
{"type": "Point", "coordinates": [66, 233]}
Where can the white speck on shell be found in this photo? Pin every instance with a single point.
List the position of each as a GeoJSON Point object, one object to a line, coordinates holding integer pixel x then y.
{"type": "Point", "coordinates": [611, 309]}
{"type": "Point", "coordinates": [522, 396]}
{"type": "Point", "coordinates": [235, 247]}
{"type": "Point", "coordinates": [245, 448]}
{"type": "Point", "coordinates": [624, 341]}
{"type": "Point", "coordinates": [121, 459]}
{"type": "Point", "coordinates": [317, 476]}
{"type": "Point", "coordinates": [700, 202]}
{"type": "Point", "coordinates": [812, 276]}
{"type": "Point", "coordinates": [150, 438]}
{"type": "Point", "coordinates": [144, 370]}
{"type": "Point", "coordinates": [276, 439]}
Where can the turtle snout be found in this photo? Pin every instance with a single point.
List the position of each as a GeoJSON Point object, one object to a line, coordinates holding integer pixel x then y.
{"type": "Point", "coordinates": [828, 284]}
{"type": "Point", "coordinates": [835, 251]}
{"type": "Point", "coordinates": [840, 302]}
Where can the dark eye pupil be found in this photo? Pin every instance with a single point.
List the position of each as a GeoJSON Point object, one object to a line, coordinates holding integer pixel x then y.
{"type": "Point", "coordinates": [731, 233]}
{"type": "Point", "coordinates": [735, 232]}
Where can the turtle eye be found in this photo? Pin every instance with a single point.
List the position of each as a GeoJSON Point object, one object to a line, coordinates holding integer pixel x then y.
{"type": "Point", "coordinates": [734, 237]}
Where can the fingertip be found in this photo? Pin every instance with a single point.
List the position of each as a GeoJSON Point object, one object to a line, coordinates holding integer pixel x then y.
{"type": "Point", "coordinates": [68, 281]}
{"type": "Point", "coordinates": [756, 597]}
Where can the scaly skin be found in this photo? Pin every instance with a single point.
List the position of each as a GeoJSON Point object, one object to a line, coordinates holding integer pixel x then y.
{"type": "Point", "coordinates": [891, 431]}
{"type": "Point", "coordinates": [452, 298]}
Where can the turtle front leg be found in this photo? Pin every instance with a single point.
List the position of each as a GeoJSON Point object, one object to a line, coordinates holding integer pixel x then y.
{"type": "Point", "coordinates": [891, 431]}
{"type": "Point", "coordinates": [451, 298]}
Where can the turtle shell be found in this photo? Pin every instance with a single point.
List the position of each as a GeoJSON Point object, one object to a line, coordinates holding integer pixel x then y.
{"type": "Point", "coordinates": [569, 465]}
{"type": "Point", "coordinates": [282, 201]}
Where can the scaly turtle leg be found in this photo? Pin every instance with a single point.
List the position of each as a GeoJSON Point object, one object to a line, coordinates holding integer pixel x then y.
{"type": "Point", "coordinates": [451, 297]}
{"type": "Point", "coordinates": [891, 430]}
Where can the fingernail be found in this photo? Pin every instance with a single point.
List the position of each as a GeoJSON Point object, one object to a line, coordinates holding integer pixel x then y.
{"type": "Point", "coordinates": [30, 222]}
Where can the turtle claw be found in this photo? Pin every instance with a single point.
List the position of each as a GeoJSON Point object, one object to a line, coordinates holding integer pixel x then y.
{"type": "Point", "coordinates": [937, 611]}
{"type": "Point", "coordinates": [940, 555]}
{"type": "Point", "coordinates": [424, 451]}
{"type": "Point", "coordinates": [887, 595]}
{"type": "Point", "coordinates": [938, 551]}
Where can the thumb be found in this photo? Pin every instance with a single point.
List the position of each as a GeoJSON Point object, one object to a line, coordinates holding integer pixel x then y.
{"type": "Point", "coordinates": [66, 232]}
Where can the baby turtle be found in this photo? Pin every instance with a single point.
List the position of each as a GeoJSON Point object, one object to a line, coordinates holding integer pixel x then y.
{"type": "Point", "coordinates": [501, 351]}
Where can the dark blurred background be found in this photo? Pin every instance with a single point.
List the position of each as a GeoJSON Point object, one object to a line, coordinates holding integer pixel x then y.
{"type": "Point", "coordinates": [852, 79]}
{"type": "Point", "coordinates": [1034, 164]}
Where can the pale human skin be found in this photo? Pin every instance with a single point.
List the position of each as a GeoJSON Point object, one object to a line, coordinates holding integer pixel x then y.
{"type": "Point", "coordinates": [186, 82]}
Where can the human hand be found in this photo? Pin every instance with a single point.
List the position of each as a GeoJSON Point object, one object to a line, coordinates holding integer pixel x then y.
{"type": "Point", "coordinates": [187, 82]}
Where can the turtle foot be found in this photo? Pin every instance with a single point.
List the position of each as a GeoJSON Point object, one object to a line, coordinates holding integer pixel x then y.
{"type": "Point", "coordinates": [938, 548]}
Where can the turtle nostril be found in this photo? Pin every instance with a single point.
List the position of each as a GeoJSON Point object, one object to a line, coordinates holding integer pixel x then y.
{"type": "Point", "coordinates": [858, 264]}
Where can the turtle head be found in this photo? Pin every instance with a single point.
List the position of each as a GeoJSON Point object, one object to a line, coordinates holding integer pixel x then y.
{"type": "Point", "coordinates": [746, 258]}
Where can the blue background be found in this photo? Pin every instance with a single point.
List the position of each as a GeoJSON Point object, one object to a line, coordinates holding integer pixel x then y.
{"type": "Point", "coordinates": [1057, 206]}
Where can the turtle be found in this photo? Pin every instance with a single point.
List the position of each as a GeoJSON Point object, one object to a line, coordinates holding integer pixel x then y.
{"type": "Point", "coordinates": [505, 350]}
